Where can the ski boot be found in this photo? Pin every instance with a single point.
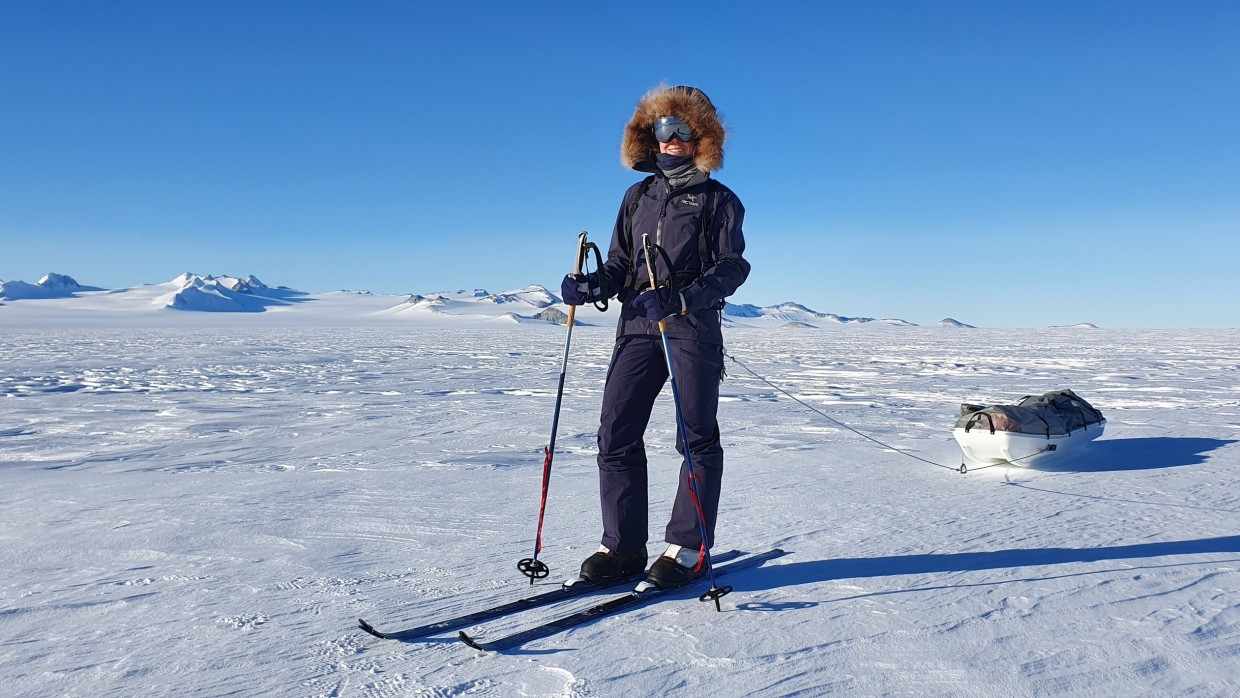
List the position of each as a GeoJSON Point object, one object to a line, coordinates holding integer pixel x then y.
{"type": "Point", "coordinates": [674, 568]}
{"type": "Point", "coordinates": [604, 565]}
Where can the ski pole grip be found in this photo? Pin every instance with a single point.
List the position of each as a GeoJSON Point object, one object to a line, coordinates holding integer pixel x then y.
{"type": "Point", "coordinates": [578, 259]}
{"type": "Point", "coordinates": [654, 285]}
{"type": "Point", "coordinates": [582, 250]}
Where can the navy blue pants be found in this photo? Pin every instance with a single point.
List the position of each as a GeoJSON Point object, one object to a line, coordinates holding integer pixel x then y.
{"type": "Point", "coordinates": [637, 374]}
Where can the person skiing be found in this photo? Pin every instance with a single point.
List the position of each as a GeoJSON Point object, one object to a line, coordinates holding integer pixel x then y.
{"type": "Point", "coordinates": [676, 134]}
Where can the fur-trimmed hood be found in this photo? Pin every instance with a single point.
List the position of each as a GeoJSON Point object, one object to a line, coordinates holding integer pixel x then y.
{"type": "Point", "coordinates": [639, 146]}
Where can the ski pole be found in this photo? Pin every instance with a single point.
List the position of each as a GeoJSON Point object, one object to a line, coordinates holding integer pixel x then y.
{"type": "Point", "coordinates": [532, 567]}
{"type": "Point", "coordinates": [716, 592]}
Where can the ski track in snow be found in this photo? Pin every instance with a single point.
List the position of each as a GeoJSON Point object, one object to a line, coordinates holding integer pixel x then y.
{"type": "Point", "coordinates": [208, 512]}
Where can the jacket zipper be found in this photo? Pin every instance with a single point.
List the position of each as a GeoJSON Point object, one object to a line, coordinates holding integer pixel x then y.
{"type": "Point", "coordinates": [658, 238]}
{"type": "Point", "coordinates": [658, 231]}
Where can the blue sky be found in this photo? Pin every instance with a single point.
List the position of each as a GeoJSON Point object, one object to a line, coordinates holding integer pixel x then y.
{"type": "Point", "coordinates": [1009, 165]}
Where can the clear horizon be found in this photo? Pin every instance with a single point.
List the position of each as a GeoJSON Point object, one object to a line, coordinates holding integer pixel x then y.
{"type": "Point", "coordinates": [217, 299]}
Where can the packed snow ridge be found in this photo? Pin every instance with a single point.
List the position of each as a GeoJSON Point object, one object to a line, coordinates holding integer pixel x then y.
{"type": "Point", "coordinates": [192, 292]}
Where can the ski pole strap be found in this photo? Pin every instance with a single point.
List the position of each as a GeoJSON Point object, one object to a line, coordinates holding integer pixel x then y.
{"type": "Point", "coordinates": [653, 254]}
{"type": "Point", "coordinates": [600, 299]}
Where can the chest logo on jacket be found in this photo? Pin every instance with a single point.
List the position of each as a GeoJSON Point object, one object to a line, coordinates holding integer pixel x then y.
{"type": "Point", "coordinates": [691, 200]}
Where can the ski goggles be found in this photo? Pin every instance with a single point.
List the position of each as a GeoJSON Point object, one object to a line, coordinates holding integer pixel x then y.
{"type": "Point", "coordinates": [670, 127]}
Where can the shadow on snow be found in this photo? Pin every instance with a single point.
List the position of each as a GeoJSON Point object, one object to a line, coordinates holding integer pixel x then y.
{"type": "Point", "coordinates": [857, 568]}
{"type": "Point", "coordinates": [1134, 454]}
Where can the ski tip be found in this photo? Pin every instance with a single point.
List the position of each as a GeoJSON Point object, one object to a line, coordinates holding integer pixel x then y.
{"type": "Point", "coordinates": [370, 629]}
{"type": "Point", "coordinates": [464, 637]}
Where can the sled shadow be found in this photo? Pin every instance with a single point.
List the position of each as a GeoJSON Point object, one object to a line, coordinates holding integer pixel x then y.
{"type": "Point", "coordinates": [857, 568]}
{"type": "Point", "coordinates": [1134, 454]}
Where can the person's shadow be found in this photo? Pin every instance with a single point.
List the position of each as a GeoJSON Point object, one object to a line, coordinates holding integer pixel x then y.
{"type": "Point", "coordinates": [778, 576]}
{"type": "Point", "coordinates": [1145, 453]}
{"type": "Point", "coordinates": [1106, 455]}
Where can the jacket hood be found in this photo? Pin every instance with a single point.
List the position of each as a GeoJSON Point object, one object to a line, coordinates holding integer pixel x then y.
{"type": "Point", "coordinates": [638, 148]}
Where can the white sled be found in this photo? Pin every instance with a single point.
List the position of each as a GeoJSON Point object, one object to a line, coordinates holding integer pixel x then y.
{"type": "Point", "coordinates": [982, 446]}
{"type": "Point", "coordinates": [1027, 431]}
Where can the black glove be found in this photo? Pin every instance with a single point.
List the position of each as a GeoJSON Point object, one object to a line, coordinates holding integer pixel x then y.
{"type": "Point", "coordinates": [579, 289]}
{"type": "Point", "coordinates": [656, 304]}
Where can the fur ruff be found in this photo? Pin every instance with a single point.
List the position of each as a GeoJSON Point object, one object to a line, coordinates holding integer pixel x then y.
{"type": "Point", "coordinates": [638, 148]}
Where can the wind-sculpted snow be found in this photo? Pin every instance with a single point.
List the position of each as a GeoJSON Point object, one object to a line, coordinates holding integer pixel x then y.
{"type": "Point", "coordinates": [208, 510]}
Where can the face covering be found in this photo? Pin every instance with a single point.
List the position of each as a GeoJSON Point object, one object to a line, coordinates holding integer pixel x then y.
{"type": "Point", "coordinates": [668, 162]}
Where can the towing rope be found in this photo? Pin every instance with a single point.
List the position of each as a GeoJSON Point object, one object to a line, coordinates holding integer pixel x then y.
{"type": "Point", "coordinates": [962, 469]}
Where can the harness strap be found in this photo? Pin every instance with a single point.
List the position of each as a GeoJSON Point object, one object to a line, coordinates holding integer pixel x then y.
{"type": "Point", "coordinates": [708, 215]}
{"type": "Point", "coordinates": [630, 275]}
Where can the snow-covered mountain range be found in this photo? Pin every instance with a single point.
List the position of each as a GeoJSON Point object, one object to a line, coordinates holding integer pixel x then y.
{"type": "Point", "coordinates": [50, 286]}
{"type": "Point", "coordinates": [195, 293]}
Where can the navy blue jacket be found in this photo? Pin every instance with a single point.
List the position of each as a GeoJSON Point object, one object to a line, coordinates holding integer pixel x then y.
{"type": "Point", "coordinates": [673, 219]}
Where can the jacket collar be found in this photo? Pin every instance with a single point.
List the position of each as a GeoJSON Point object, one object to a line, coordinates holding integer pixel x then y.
{"type": "Point", "coordinates": [698, 178]}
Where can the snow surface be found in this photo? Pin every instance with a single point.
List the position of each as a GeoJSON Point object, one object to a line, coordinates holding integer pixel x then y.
{"type": "Point", "coordinates": [203, 504]}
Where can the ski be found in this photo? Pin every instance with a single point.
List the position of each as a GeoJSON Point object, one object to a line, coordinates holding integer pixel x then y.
{"type": "Point", "coordinates": [569, 590]}
{"type": "Point", "coordinates": [632, 599]}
